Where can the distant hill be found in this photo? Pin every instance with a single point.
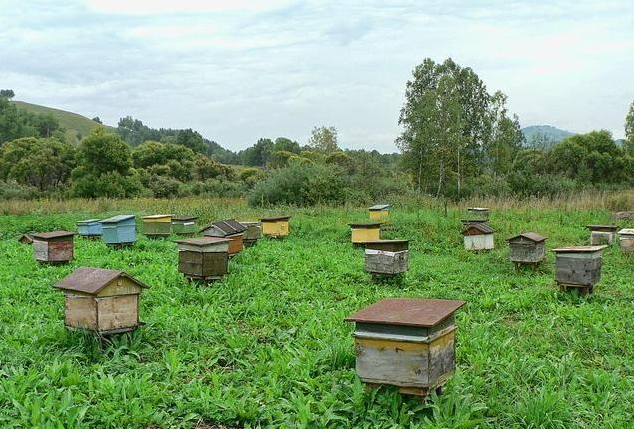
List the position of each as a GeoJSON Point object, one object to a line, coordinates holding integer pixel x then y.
{"type": "Point", "coordinates": [544, 136]}
{"type": "Point", "coordinates": [77, 126]}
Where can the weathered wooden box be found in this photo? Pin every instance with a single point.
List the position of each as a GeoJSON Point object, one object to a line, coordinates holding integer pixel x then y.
{"type": "Point", "coordinates": [157, 226]}
{"type": "Point", "coordinates": [205, 258]}
{"type": "Point", "coordinates": [602, 234]}
{"type": "Point", "coordinates": [55, 247]}
{"type": "Point", "coordinates": [119, 230]}
{"type": "Point", "coordinates": [379, 213]}
{"type": "Point", "coordinates": [184, 225]}
{"type": "Point", "coordinates": [478, 236]}
{"type": "Point", "coordinates": [276, 227]}
{"type": "Point", "coordinates": [626, 240]}
{"type": "Point", "coordinates": [527, 248]}
{"type": "Point", "coordinates": [479, 213]}
{"type": "Point", "coordinates": [365, 231]}
{"type": "Point", "coordinates": [231, 229]}
{"type": "Point", "coordinates": [252, 233]}
{"type": "Point", "coordinates": [408, 343]}
{"type": "Point", "coordinates": [90, 228]}
{"type": "Point", "coordinates": [99, 300]}
{"type": "Point", "coordinates": [578, 267]}
{"type": "Point", "coordinates": [387, 257]}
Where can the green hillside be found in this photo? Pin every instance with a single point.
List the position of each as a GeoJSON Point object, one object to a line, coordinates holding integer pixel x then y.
{"type": "Point", "coordinates": [76, 125]}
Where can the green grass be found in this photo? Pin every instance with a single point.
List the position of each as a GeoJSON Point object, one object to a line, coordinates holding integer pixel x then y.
{"type": "Point", "coordinates": [76, 125]}
{"type": "Point", "coordinates": [267, 346]}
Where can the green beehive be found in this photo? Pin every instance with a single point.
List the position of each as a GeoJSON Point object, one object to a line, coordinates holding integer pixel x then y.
{"type": "Point", "coordinates": [184, 225]}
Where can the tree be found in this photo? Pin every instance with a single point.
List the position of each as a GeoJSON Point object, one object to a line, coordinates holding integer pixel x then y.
{"type": "Point", "coordinates": [191, 139]}
{"type": "Point", "coordinates": [258, 154]}
{"type": "Point", "coordinates": [629, 131]}
{"type": "Point", "coordinates": [288, 145]}
{"type": "Point", "coordinates": [97, 120]}
{"type": "Point", "coordinates": [102, 152]}
{"type": "Point", "coordinates": [323, 139]}
{"type": "Point", "coordinates": [7, 93]}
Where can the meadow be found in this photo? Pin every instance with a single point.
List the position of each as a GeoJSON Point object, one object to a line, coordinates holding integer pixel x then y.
{"type": "Point", "coordinates": [267, 345]}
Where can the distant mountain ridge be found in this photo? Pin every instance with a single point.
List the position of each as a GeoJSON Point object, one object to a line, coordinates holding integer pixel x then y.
{"type": "Point", "coordinates": [544, 136]}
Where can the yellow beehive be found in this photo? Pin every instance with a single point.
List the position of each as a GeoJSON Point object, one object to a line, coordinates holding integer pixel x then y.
{"type": "Point", "coordinates": [380, 212]}
{"type": "Point", "coordinates": [276, 227]}
{"type": "Point", "coordinates": [365, 231]}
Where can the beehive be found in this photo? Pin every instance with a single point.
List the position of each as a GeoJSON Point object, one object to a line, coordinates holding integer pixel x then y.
{"type": "Point", "coordinates": [119, 230]}
{"type": "Point", "coordinates": [184, 225]}
{"type": "Point", "coordinates": [626, 240]}
{"type": "Point", "coordinates": [578, 267]}
{"type": "Point", "coordinates": [386, 257]}
{"type": "Point", "coordinates": [157, 226]}
{"type": "Point", "coordinates": [408, 343]}
{"type": "Point", "coordinates": [602, 234]}
{"type": "Point", "coordinates": [253, 232]}
{"type": "Point", "coordinates": [527, 248]}
{"type": "Point", "coordinates": [379, 213]}
{"type": "Point", "coordinates": [365, 231]}
{"type": "Point", "coordinates": [478, 236]}
{"type": "Point", "coordinates": [275, 227]}
{"type": "Point", "coordinates": [55, 247]}
{"type": "Point", "coordinates": [205, 258]}
{"type": "Point", "coordinates": [90, 228]}
{"type": "Point", "coordinates": [26, 239]}
{"type": "Point", "coordinates": [102, 301]}
{"type": "Point", "coordinates": [231, 229]}
{"type": "Point", "coordinates": [479, 213]}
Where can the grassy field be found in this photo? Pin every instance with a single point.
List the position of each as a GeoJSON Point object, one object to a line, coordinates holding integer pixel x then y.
{"type": "Point", "coordinates": [267, 346]}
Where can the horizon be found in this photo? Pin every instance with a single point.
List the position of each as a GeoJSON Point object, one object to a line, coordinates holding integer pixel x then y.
{"type": "Point", "coordinates": [281, 67]}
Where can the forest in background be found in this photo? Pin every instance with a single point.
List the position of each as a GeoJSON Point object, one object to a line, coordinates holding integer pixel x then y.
{"type": "Point", "coordinates": [458, 140]}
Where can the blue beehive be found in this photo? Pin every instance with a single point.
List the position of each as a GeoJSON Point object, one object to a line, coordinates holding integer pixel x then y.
{"type": "Point", "coordinates": [119, 230]}
{"type": "Point", "coordinates": [89, 228]}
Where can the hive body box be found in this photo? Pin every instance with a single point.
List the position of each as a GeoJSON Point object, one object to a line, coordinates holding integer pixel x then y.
{"type": "Point", "coordinates": [626, 240]}
{"type": "Point", "coordinates": [478, 236]}
{"type": "Point", "coordinates": [205, 258]}
{"type": "Point", "coordinates": [578, 267]}
{"type": "Point", "coordinates": [408, 343]}
{"type": "Point", "coordinates": [252, 233]}
{"type": "Point", "coordinates": [119, 230]}
{"type": "Point", "coordinates": [380, 213]}
{"type": "Point", "coordinates": [363, 232]}
{"type": "Point", "coordinates": [275, 227]}
{"type": "Point", "coordinates": [157, 226]}
{"type": "Point", "coordinates": [184, 225]}
{"type": "Point", "coordinates": [527, 248]}
{"type": "Point", "coordinates": [602, 234]}
{"type": "Point", "coordinates": [55, 247]}
{"type": "Point", "coordinates": [386, 257]}
{"type": "Point", "coordinates": [230, 229]}
{"type": "Point", "coordinates": [90, 228]}
{"type": "Point", "coordinates": [103, 301]}
{"type": "Point", "coordinates": [479, 213]}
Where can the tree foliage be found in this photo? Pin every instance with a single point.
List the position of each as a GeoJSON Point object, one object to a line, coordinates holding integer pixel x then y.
{"type": "Point", "coordinates": [324, 139]}
{"type": "Point", "coordinates": [16, 123]}
{"type": "Point", "coordinates": [629, 130]}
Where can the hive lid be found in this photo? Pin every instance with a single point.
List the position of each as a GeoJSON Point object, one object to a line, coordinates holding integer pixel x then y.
{"type": "Point", "coordinates": [117, 218]}
{"type": "Point", "coordinates": [92, 280]}
{"type": "Point", "coordinates": [250, 222]}
{"type": "Point", "coordinates": [53, 234]}
{"type": "Point", "coordinates": [379, 207]}
{"type": "Point", "coordinates": [227, 227]}
{"type": "Point", "coordinates": [407, 312]}
{"type": "Point", "coordinates": [157, 216]}
{"type": "Point", "coordinates": [274, 218]}
{"type": "Point", "coordinates": [533, 236]}
{"type": "Point", "coordinates": [627, 231]}
{"type": "Point", "coordinates": [365, 224]}
{"type": "Point", "coordinates": [579, 249]}
{"type": "Point", "coordinates": [87, 221]}
{"type": "Point", "coordinates": [482, 227]}
{"type": "Point", "coordinates": [184, 218]}
{"type": "Point", "coordinates": [26, 238]}
{"type": "Point", "coordinates": [203, 241]}
{"type": "Point", "coordinates": [396, 241]}
{"type": "Point", "coordinates": [478, 209]}
{"type": "Point", "coordinates": [610, 228]}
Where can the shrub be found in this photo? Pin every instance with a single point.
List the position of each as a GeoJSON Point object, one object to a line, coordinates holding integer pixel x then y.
{"type": "Point", "coordinates": [12, 190]}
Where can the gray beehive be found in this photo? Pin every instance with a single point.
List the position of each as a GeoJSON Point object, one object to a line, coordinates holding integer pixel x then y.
{"type": "Point", "coordinates": [578, 267]}
{"type": "Point", "coordinates": [527, 248]}
{"type": "Point", "coordinates": [626, 240]}
{"type": "Point", "coordinates": [602, 234]}
{"type": "Point", "coordinates": [386, 257]}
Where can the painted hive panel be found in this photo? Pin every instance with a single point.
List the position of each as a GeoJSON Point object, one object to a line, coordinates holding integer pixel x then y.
{"type": "Point", "coordinates": [442, 352]}
{"type": "Point", "coordinates": [120, 286]}
{"type": "Point", "coordinates": [386, 262]}
{"type": "Point", "coordinates": [379, 215]}
{"type": "Point", "coordinates": [527, 251]}
{"type": "Point", "coordinates": [126, 233]}
{"type": "Point", "coordinates": [60, 251]}
{"type": "Point", "coordinates": [80, 311]}
{"type": "Point", "coordinates": [253, 232]}
{"type": "Point", "coordinates": [275, 228]}
{"type": "Point", "coordinates": [478, 242]}
{"type": "Point", "coordinates": [184, 227]}
{"type": "Point", "coordinates": [236, 244]}
{"type": "Point", "coordinates": [117, 312]}
{"type": "Point", "coordinates": [361, 235]}
{"type": "Point", "coordinates": [157, 228]}
{"type": "Point", "coordinates": [199, 264]}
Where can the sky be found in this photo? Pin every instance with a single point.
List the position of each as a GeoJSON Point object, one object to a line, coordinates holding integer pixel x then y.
{"type": "Point", "coordinates": [239, 70]}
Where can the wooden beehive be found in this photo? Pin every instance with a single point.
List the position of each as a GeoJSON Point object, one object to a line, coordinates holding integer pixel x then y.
{"type": "Point", "coordinates": [253, 232]}
{"type": "Point", "coordinates": [386, 257]}
{"type": "Point", "coordinates": [408, 343]}
{"type": "Point", "coordinates": [602, 234]}
{"type": "Point", "coordinates": [90, 228]}
{"type": "Point", "coordinates": [55, 247]}
{"type": "Point", "coordinates": [478, 236]}
{"type": "Point", "coordinates": [578, 267]}
{"type": "Point", "coordinates": [379, 213]}
{"type": "Point", "coordinates": [479, 213]}
{"type": "Point", "coordinates": [626, 240]}
{"type": "Point", "coordinates": [231, 229]}
{"type": "Point", "coordinates": [184, 225]}
{"type": "Point", "coordinates": [102, 301]}
{"type": "Point", "coordinates": [119, 230]}
{"type": "Point", "coordinates": [365, 231]}
{"type": "Point", "coordinates": [157, 226]}
{"type": "Point", "coordinates": [527, 248]}
{"type": "Point", "coordinates": [26, 239]}
{"type": "Point", "coordinates": [275, 227]}
{"type": "Point", "coordinates": [205, 258]}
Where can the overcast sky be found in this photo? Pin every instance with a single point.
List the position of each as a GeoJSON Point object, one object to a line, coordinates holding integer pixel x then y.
{"type": "Point", "coordinates": [237, 70]}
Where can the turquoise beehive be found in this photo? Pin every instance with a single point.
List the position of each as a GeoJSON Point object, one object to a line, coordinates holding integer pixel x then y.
{"type": "Point", "coordinates": [119, 230]}
{"type": "Point", "coordinates": [89, 228]}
